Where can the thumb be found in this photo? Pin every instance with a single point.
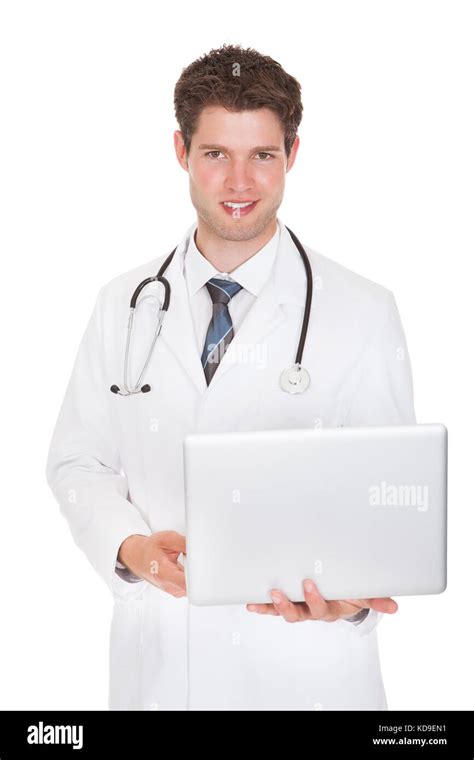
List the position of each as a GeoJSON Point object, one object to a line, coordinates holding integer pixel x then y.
{"type": "Point", "coordinates": [378, 604]}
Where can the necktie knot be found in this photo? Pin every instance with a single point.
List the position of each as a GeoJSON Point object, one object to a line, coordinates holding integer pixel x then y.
{"type": "Point", "coordinates": [221, 291]}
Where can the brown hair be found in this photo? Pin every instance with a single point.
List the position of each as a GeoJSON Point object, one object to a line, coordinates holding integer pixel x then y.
{"type": "Point", "coordinates": [238, 80]}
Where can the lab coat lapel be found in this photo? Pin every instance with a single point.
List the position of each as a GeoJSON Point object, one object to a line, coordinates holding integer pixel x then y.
{"type": "Point", "coordinates": [178, 327]}
{"type": "Point", "coordinates": [264, 315]}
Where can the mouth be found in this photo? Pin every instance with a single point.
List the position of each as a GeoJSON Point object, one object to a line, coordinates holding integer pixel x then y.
{"type": "Point", "coordinates": [236, 209]}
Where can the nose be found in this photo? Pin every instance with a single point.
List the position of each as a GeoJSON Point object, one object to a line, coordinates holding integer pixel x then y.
{"type": "Point", "coordinates": [239, 179]}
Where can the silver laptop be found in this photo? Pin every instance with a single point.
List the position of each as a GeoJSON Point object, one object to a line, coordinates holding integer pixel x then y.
{"type": "Point", "coordinates": [360, 510]}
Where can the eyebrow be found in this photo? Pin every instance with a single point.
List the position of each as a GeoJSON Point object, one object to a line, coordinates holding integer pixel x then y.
{"type": "Point", "coordinates": [257, 149]}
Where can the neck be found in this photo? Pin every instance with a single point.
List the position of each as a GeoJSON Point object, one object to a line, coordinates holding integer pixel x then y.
{"type": "Point", "coordinates": [227, 255]}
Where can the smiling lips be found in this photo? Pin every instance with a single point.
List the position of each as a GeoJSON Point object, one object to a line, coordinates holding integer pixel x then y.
{"type": "Point", "coordinates": [237, 209]}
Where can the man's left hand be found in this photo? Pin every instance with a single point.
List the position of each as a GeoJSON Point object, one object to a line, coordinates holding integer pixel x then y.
{"type": "Point", "coordinates": [315, 607]}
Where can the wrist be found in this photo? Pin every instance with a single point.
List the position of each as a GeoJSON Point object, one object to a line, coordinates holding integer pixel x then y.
{"type": "Point", "coordinates": [131, 550]}
{"type": "Point", "coordinates": [359, 616]}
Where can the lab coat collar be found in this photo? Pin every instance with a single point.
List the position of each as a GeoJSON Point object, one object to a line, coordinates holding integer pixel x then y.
{"type": "Point", "coordinates": [285, 285]}
{"type": "Point", "coordinates": [251, 275]}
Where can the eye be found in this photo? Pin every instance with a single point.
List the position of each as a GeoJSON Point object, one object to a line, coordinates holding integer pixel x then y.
{"type": "Point", "coordinates": [211, 152]}
{"type": "Point", "coordinates": [262, 153]}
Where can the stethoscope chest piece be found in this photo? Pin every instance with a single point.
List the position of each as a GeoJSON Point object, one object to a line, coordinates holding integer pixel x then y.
{"type": "Point", "coordinates": [295, 379]}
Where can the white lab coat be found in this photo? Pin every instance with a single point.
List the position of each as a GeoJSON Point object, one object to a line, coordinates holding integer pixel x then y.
{"type": "Point", "coordinates": [115, 466]}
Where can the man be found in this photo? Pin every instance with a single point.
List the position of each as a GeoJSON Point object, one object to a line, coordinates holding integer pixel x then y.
{"type": "Point", "coordinates": [115, 464]}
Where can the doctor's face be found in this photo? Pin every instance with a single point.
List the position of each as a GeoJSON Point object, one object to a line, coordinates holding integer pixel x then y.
{"type": "Point", "coordinates": [236, 158]}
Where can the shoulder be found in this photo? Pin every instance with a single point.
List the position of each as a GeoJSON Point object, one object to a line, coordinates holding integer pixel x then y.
{"type": "Point", "coordinates": [346, 289]}
{"type": "Point", "coordinates": [121, 287]}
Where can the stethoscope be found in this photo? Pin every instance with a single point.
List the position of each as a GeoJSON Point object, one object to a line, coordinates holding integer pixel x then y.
{"type": "Point", "coordinates": [295, 379]}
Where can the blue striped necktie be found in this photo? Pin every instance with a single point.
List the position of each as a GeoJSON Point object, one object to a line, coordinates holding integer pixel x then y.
{"type": "Point", "coordinates": [220, 331]}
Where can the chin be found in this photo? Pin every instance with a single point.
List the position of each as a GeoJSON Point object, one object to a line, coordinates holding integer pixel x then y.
{"type": "Point", "coordinates": [238, 229]}
{"type": "Point", "coordinates": [240, 232]}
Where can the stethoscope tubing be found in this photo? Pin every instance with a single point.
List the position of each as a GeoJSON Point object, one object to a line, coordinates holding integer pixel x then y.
{"type": "Point", "coordinates": [159, 277]}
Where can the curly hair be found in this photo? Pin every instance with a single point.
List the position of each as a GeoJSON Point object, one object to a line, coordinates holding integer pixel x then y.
{"type": "Point", "coordinates": [237, 79]}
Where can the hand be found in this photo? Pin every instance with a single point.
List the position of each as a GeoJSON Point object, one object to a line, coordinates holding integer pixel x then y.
{"type": "Point", "coordinates": [317, 608]}
{"type": "Point", "coordinates": [155, 559]}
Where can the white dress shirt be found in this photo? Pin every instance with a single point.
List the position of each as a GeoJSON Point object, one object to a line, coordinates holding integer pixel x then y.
{"type": "Point", "coordinates": [251, 275]}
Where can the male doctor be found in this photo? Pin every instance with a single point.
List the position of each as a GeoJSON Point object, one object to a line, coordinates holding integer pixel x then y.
{"type": "Point", "coordinates": [115, 463]}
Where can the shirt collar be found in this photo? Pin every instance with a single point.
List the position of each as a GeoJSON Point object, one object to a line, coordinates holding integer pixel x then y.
{"type": "Point", "coordinates": [251, 275]}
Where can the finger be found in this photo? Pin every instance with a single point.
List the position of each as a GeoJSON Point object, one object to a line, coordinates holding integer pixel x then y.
{"type": "Point", "coordinates": [172, 541]}
{"type": "Point", "coordinates": [319, 608]}
{"type": "Point", "coordinates": [167, 586]}
{"type": "Point", "coordinates": [263, 609]}
{"type": "Point", "coordinates": [169, 572]}
{"type": "Point", "coordinates": [379, 604]}
{"type": "Point", "coordinates": [170, 588]}
{"type": "Point", "coordinates": [286, 608]}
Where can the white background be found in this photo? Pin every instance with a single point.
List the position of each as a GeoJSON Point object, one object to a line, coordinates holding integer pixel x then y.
{"type": "Point", "coordinates": [90, 187]}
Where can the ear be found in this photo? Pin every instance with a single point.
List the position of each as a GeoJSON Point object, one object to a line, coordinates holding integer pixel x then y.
{"type": "Point", "coordinates": [180, 149]}
{"type": "Point", "coordinates": [293, 152]}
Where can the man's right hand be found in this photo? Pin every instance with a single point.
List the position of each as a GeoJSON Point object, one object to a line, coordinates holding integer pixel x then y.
{"type": "Point", "coordinates": [155, 559]}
